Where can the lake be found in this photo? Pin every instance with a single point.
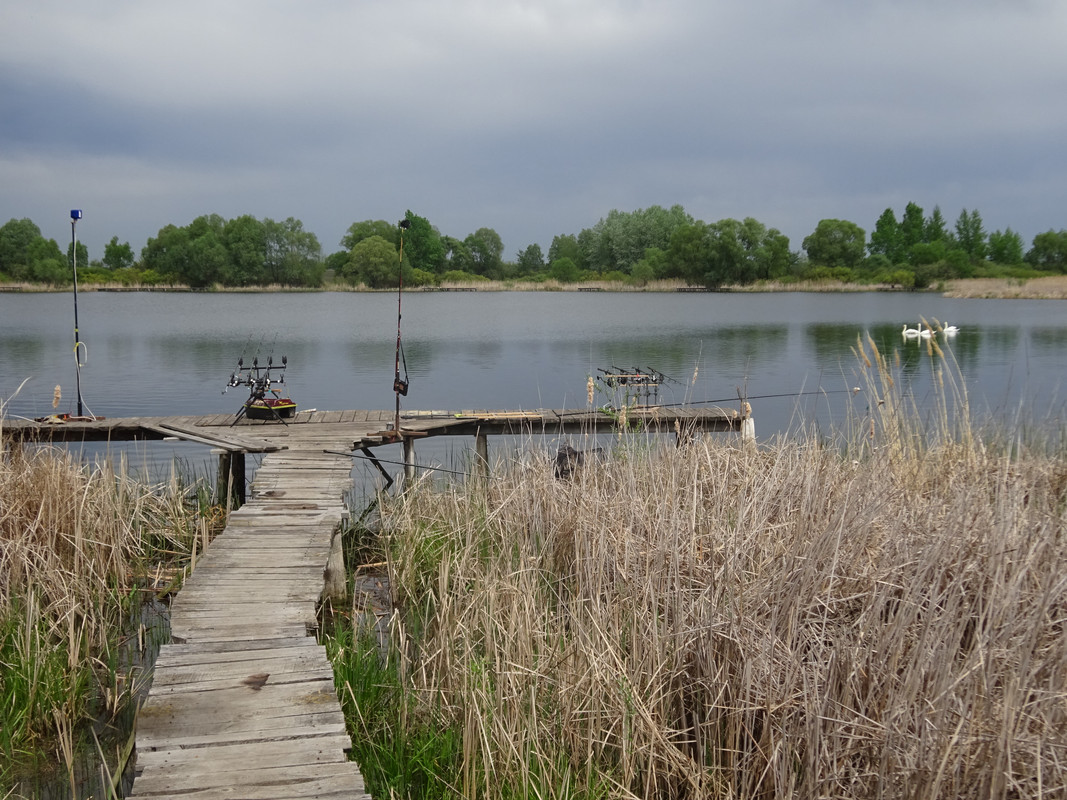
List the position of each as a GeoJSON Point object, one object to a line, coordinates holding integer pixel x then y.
{"type": "Point", "coordinates": [150, 354]}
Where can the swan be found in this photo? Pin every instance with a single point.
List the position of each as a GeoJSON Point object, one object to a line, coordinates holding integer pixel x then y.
{"type": "Point", "coordinates": [926, 333]}
{"type": "Point", "coordinates": [909, 333]}
{"type": "Point", "coordinates": [950, 330]}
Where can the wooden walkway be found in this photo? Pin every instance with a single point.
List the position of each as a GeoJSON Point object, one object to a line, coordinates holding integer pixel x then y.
{"type": "Point", "coordinates": [242, 702]}
{"type": "Point", "coordinates": [361, 428]}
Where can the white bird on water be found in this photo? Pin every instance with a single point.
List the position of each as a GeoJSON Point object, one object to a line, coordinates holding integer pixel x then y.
{"type": "Point", "coordinates": [950, 330]}
{"type": "Point", "coordinates": [909, 333]}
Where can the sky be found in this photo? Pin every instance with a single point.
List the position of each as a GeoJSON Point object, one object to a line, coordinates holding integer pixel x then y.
{"type": "Point", "coordinates": [531, 118]}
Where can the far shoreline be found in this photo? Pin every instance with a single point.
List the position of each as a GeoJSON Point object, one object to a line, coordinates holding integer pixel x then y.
{"type": "Point", "coordinates": [1052, 287]}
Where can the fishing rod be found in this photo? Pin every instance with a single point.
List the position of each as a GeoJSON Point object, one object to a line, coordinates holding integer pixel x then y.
{"type": "Point", "coordinates": [76, 215]}
{"type": "Point", "coordinates": [400, 386]}
{"type": "Point", "coordinates": [377, 460]}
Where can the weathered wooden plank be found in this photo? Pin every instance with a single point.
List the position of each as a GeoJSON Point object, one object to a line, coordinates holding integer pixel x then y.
{"type": "Point", "coordinates": [226, 757]}
{"type": "Point", "coordinates": [240, 648]}
{"type": "Point", "coordinates": [267, 783]}
{"type": "Point", "coordinates": [237, 633]}
{"type": "Point", "coordinates": [193, 667]}
{"type": "Point", "coordinates": [307, 726]}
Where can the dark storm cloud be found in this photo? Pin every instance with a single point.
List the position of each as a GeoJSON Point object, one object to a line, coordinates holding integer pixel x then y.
{"type": "Point", "coordinates": [533, 118]}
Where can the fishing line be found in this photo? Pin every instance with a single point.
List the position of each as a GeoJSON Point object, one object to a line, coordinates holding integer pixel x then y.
{"type": "Point", "coordinates": [398, 463]}
{"type": "Point", "coordinates": [853, 391]}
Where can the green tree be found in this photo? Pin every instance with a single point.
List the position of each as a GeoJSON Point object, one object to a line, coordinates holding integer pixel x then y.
{"type": "Point", "coordinates": [654, 264]}
{"type": "Point", "coordinates": [83, 255]}
{"type": "Point", "coordinates": [117, 256]}
{"type": "Point", "coordinates": [836, 243]}
{"type": "Point", "coordinates": [728, 261]}
{"type": "Point", "coordinates": [487, 249]}
{"type": "Point", "coordinates": [358, 231]}
{"type": "Point", "coordinates": [423, 247]}
{"type": "Point", "coordinates": [46, 263]}
{"type": "Point", "coordinates": [643, 271]}
{"type": "Point", "coordinates": [689, 253]}
{"type": "Point", "coordinates": [935, 229]}
{"type": "Point", "coordinates": [620, 240]}
{"type": "Point", "coordinates": [167, 253]}
{"type": "Point", "coordinates": [564, 270]}
{"type": "Point", "coordinates": [245, 238]}
{"type": "Point", "coordinates": [531, 260]}
{"type": "Point", "coordinates": [1006, 247]}
{"type": "Point", "coordinates": [208, 261]}
{"type": "Point", "coordinates": [565, 246]}
{"type": "Point", "coordinates": [776, 260]}
{"type": "Point", "coordinates": [335, 263]}
{"type": "Point", "coordinates": [458, 256]}
{"type": "Point", "coordinates": [912, 226]}
{"type": "Point", "coordinates": [927, 253]}
{"type": "Point", "coordinates": [886, 238]}
{"type": "Point", "coordinates": [1049, 250]}
{"type": "Point", "coordinates": [373, 261]}
{"type": "Point", "coordinates": [293, 255]}
{"type": "Point", "coordinates": [970, 235]}
{"type": "Point", "coordinates": [16, 237]}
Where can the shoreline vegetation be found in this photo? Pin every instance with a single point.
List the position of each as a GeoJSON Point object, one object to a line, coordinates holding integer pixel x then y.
{"type": "Point", "coordinates": [877, 612]}
{"type": "Point", "coordinates": [87, 555]}
{"type": "Point", "coordinates": [1051, 287]}
{"type": "Point", "coordinates": [880, 615]}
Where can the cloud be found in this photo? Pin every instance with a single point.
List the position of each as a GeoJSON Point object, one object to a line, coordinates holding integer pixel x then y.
{"type": "Point", "coordinates": [533, 118]}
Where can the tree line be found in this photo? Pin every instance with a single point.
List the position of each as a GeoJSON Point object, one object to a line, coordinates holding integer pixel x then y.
{"type": "Point", "coordinates": [914, 251]}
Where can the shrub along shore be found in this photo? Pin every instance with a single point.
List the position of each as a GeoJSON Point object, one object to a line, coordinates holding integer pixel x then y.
{"type": "Point", "coordinates": [1053, 287]}
{"type": "Point", "coordinates": [879, 615]}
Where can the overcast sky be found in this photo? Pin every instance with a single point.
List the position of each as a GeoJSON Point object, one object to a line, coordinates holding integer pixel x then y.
{"type": "Point", "coordinates": [532, 118]}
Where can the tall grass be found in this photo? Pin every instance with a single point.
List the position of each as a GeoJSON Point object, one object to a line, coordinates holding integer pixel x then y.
{"type": "Point", "coordinates": [76, 545]}
{"type": "Point", "coordinates": [877, 617]}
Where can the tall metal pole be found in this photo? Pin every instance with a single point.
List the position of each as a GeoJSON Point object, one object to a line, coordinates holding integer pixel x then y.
{"type": "Point", "coordinates": [75, 215]}
{"type": "Point", "coordinates": [399, 386]}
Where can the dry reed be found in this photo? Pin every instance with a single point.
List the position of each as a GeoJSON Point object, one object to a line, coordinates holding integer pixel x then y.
{"type": "Point", "coordinates": [74, 545]}
{"type": "Point", "coordinates": [1048, 287]}
{"type": "Point", "coordinates": [881, 620]}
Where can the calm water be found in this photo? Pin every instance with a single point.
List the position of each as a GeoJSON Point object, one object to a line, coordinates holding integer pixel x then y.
{"type": "Point", "coordinates": [157, 354]}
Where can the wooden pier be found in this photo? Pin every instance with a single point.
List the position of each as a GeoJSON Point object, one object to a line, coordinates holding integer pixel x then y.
{"type": "Point", "coordinates": [242, 701]}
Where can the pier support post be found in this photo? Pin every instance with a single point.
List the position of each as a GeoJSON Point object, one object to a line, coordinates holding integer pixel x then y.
{"type": "Point", "coordinates": [748, 425]}
{"type": "Point", "coordinates": [409, 460]}
{"type": "Point", "coordinates": [230, 484]}
{"type": "Point", "coordinates": [481, 457]}
{"type": "Point", "coordinates": [335, 587]}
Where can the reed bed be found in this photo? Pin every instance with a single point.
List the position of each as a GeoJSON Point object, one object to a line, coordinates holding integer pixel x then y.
{"type": "Point", "coordinates": [76, 545]}
{"type": "Point", "coordinates": [1049, 287]}
{"type": "Point", "coordinates": [876, 617]}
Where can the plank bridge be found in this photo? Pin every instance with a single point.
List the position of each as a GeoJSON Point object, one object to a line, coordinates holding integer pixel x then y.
{"type": "Point", "coordinates": [242, 700]}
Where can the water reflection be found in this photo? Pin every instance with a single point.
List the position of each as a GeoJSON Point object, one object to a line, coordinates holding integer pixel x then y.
{"type": "Point", "coordinates": [1049, 340]}
{"type": "Point", "coordinates": [155, 354]}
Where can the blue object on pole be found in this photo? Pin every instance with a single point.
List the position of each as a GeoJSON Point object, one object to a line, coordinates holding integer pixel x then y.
{"type": "Point", "coordinates": [75, 213]}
